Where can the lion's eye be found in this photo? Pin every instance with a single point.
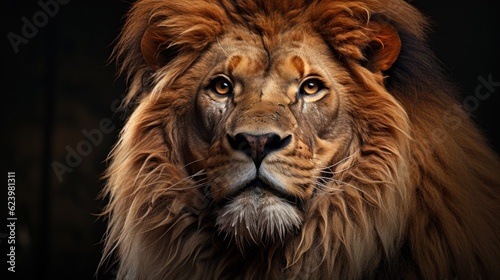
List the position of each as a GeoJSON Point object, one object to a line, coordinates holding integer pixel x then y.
{"type": "Point", "coordinates": [311, 86]}
{"type": "Point", "coordinates": [222, 86]}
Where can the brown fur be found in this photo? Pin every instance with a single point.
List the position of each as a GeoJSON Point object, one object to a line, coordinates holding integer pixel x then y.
{"type": "Point", "coordinates": [383, 175]}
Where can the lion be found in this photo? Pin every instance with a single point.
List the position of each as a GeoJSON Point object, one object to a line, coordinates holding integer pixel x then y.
{"type": "Point", "coordinates": [295, 140]}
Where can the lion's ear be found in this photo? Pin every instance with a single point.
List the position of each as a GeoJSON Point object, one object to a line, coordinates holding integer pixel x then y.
{"type": "Point", "coordinates": [153, 48]}
{"type": "Point", "coordinates": [384, 47]}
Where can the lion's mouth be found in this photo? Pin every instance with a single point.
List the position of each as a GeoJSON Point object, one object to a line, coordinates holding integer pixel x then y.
{"type": "Point", "coordinates": [258, 188]}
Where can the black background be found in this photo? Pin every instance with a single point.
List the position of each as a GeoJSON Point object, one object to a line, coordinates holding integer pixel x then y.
{"type": "Point", "coordinates": [60, 84]}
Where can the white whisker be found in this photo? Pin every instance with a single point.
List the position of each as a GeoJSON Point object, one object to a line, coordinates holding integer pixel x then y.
{"type": "Point", "coordinates": [337, 163]}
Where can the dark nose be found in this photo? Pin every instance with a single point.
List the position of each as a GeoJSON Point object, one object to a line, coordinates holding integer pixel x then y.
{"type": "Point", "coordinates": [258, 146]}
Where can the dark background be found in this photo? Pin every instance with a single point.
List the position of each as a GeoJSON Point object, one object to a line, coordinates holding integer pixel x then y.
{"type": "Point", "coordinates": [59, 87]}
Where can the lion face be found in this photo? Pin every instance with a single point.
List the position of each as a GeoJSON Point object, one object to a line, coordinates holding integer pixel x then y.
{"type": "Point", "coordinates": [270, 123]}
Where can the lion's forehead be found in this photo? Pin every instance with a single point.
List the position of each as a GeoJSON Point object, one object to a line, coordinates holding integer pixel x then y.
{"type": "Point", "coordinates": [252, 56]}
{"type": "Point", "coordinates": [289, 66]}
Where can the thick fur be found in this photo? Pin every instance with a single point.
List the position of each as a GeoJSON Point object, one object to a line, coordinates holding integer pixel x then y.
{"type": "Point", "coordinates": [384, 176]}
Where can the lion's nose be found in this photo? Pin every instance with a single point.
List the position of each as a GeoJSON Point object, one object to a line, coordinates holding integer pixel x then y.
{"type": "Point", "coordinates": [258, 146]}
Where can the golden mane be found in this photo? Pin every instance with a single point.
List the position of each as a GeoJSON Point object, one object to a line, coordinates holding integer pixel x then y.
{"type": "Point", "coordinates": [422, 195]}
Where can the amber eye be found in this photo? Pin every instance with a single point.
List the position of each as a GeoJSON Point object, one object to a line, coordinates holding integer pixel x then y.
{"type": "Point", "coordinates": [222, 86]}
{"type": "Point", "coordinates": [311, 86]}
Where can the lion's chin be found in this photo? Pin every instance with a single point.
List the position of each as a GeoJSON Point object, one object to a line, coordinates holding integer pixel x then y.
{"type": "Point", "coordinates": [258, 216]}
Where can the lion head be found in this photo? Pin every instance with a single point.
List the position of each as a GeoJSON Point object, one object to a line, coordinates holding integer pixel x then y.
{"type": "Point", "coordinates": [272, 126]}
{"type": "Point", "coordinates": [290, 139]}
